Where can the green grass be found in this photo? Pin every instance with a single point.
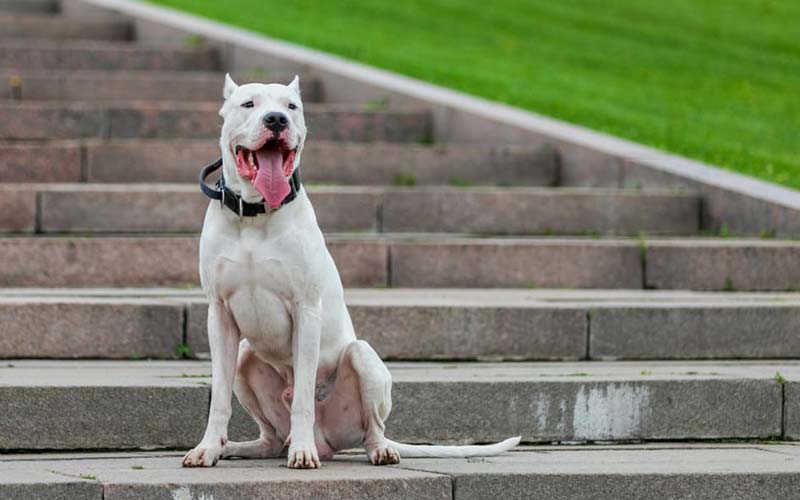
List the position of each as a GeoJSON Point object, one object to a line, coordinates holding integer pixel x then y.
{"type": "Point", "coordinates": [716, 80]}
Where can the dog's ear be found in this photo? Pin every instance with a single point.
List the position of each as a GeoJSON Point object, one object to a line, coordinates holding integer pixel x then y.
{"type": "Point", "coordinates": [230, 86]}
{"type": "Point", "coordinates": [295, 85]}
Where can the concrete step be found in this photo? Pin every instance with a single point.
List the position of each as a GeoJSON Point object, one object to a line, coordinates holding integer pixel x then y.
{"type": "Point", "coordinates": [131, 85]}
{"type": "Point", "coordinates": [119, 208]}
{"type": "Point", "coordinates": [28, 6]}
{"type": "Point", "coordinates": [18, 26]}
{"type": "Point", "coordinates": [94, 55]}
{"type": "Point", "coordinates": [155, 160]}
{"type": "Point", "coordinates": [430, 260]}
{"type": "Point", "coordinates": [164, 404]}
{"type": "Point", "coordinates": [139, 119]}
{"type": "Point", "coordinates": [630, 472]}
{"type": "Point", "coordinates": [423, 324]}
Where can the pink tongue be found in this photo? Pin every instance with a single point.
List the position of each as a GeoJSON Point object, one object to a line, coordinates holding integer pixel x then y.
{"type": "Point", "coordinates": [269, 180]}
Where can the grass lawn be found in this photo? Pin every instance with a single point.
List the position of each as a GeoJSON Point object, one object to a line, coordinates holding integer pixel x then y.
{"type": "Point", "coordinates": [715, 80]}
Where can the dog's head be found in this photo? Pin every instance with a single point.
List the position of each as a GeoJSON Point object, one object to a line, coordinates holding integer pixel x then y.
{"type": "Point", "coordinates": [262, 137]}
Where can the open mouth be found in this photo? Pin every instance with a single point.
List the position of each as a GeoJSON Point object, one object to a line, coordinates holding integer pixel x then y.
{"type": "Point", "coordinates": [267, 168]}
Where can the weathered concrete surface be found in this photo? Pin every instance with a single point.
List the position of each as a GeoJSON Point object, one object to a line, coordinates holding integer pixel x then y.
{"type": "Point", "coordinates": [673, 471]}
{"type": "Point", "coordinates": [722, 264]}
{"type": "Point", "coordinates": [792, 409]}
{"type": "Point", "coordinates": [89, 55]}
{"type": "Point", "coordinates": [176, 119]}
{"type": "Point", "coordinates": [539, 211]}
{"type": "Point", "coordinates": [447, 325]}
{"type": "Point", "coordinates": [19, 26]}
{"type": "Point", "coordinates": [691, 330]}
{"type": "Point", "coordinates": [331, 162]}
{"type": "Point", "coordinates": [29, 6]}
{"type": "Point", "coordinates": [164, 207]}
{"type": "Point", "coordinates": [69, 327]}
{"type": "Point", "coordinates": [17, 210]}
{"type": "Point", "coordinates": [131, 85]}
{"type": "Point", "coordinates": [56, 161]}
{"type": "Point", "coordinates": [142, 476]}
{"type": "Point", "coordinates": [165, 404]}
{"type": "Point", "coordinates": [522, 263]}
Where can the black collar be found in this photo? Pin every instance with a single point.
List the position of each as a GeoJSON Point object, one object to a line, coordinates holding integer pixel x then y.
{"type": "Point", "coordinates": [234, 201]}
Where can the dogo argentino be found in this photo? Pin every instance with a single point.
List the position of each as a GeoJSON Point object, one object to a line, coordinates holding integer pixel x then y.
{"type": "Point", "coordinates": [279, 331]}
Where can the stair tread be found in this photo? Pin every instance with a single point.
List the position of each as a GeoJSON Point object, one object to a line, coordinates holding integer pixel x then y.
{"type": "Point", "coordinates": [609, 472]}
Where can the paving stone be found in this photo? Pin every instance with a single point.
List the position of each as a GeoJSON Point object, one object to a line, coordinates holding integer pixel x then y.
{"type": "Point", "coordinates": [128, 85]}
{"type": "Point", "coordinates": [160, 476]}
{"type": "Point", "coordinates": [55, 161]}
{"type": "Point", "coordinates": [37, 26]}
{"type": "Point", "coordinates": [94, 328]}
{"type": "Point", "coordinates": [539, 211]}
{"type": "Point", "coordinates": [791, 409]}
{"type": "Point", "coordinates": [721, 264]}
{"type": "Point", "coordinates": [17, 210]}
{"type": "Point", "coordinates": [164, 404]}
{"type": "Point", "coordinates": [85, 55]}
{"type": "Point", "coordinates": [516, 263]}
{"type": "Point", "coordinates": [621, 473]}
{"type": "Point", "coordinates": [692, 331]}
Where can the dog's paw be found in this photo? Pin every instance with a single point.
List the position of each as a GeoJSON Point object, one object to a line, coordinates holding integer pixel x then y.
{"type": "Point", "coordinates": [303, 457]}
{"type": "Point", "coordinates": [383, 455]}
{"type": "Point", "coordinates": [204, 455]}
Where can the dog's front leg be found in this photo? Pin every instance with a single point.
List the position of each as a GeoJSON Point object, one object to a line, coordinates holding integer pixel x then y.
{"type": "Point", "coordinates": [223, 338]}
{"type": "Point", "coordinates": [305, 351]}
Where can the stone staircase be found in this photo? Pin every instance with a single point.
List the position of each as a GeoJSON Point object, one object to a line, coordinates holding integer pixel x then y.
{"type": "Point", "coordinates": [505, 300]}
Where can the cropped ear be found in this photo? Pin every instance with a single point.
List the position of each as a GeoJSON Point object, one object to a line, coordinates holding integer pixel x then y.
{"type": "Point", "coordinates": [295, 85]}
{"type": "Point", "coordinates": [230, 86]}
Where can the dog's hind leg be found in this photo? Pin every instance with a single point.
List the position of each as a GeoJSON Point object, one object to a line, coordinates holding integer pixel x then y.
{"type": "Point", "coordinates": [258, 387]}
{"type": "Point", "coordinates": [359, 404]}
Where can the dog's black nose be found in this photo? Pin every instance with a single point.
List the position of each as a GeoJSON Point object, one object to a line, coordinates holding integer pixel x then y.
{"type": "Point", "coordinates": [275, 121]}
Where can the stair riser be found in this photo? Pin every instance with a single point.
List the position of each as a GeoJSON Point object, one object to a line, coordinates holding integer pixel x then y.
{"type": "Point", "coordinates": [34, 27]}
{"type": "Point", "coordinates": [180, 209]}
{"type": "Point", "coordinates": [437, 263]}
{"type": "Point", "coordinates": [567, 410]}
{"type": "Point", "coordinates": [28, 6]}
{"type": "Point", "coordinates": [133, 161]}
{"type": "Point", "coordinates": [46, 121]}
{"type": "Point", "coordinates": [129, 328]}
{"type": "Point", "coordinates": [124, 87]}
{"type": "Point", "coordinates": [107, 58]}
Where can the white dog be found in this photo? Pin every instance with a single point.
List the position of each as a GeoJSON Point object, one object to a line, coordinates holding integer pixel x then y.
{"type": "Point", "coordinates": [279, 331]}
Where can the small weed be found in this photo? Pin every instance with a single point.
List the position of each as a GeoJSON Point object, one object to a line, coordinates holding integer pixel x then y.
{"type": "Point", "coordinates": [645, 372]}
{"type": "Point", "coordinates": [577, 375]}
{"type": "Point", "coordinates": [780, 378]}
{"type": "Point", "coordinates": [182, 350]}
{"type": "Point", "coordinates": [381, 103]}
{"type": "Point", "coordinates": [426, 139]}
{"type": "Point", "coordinates": [728, 287]}
{"type": "Point", "coordinates": [138, 467]}
{"type": "Point", "coordinates": [186, 375]}
{"type": "Point", "coordinates": [531, 286]}
{"type": "Point", "coordinates": [194, 41]}
{"type": "Point", "coordinates": [548, 232]}
{"type": "Point", "coordinates": [405, 180]}
{"type": "Point", "coordinates": [724, 232]}
{"type": "Point", "coordinates": [642, 238]}
{"type": "Point", "coordinates": [459, 182]}
{"type": "Point", "coordinates": [767, 234]}
{"type": "Point", "coordinates": [136, 357]}
{"type": "Point", "coordinates": [90, 477]}
{"type": "Point", "coordinates": [256, 74]}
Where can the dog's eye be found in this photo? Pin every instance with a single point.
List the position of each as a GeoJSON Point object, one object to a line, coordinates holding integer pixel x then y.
{"type": "Point", "coordinates": [292, 105]}
{"type": "Point", "coordinates": [248, 104]}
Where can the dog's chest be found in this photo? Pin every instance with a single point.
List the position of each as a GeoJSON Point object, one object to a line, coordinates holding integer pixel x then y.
{"type": "Point", "coordinates": [257, 289]}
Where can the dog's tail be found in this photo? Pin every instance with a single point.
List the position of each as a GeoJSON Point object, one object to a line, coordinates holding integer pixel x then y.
{"type": "Point", "coordinates": [429, 451]}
